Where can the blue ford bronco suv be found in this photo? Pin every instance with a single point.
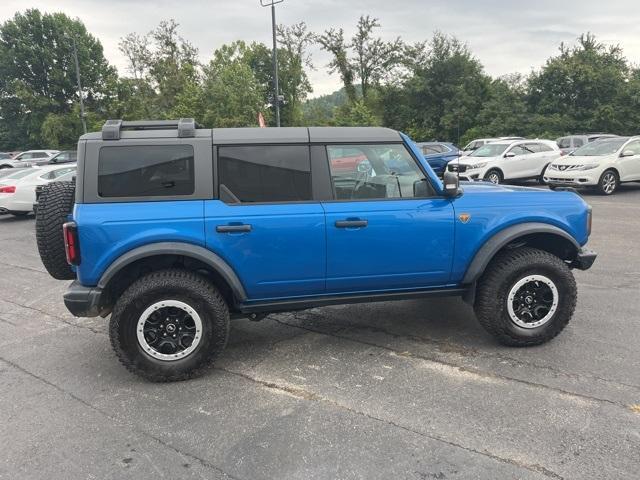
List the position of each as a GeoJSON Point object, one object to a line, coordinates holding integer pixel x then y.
{"type": "Point", "coordinates": [173, 230]}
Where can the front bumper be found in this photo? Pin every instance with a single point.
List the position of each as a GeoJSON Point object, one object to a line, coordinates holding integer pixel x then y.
{"type": "Point", "coordinates": [584, 259]}
{"type": "Point", "coordinates": [83, 301]}
{"type": "Point", "coordinates": [572, 178]}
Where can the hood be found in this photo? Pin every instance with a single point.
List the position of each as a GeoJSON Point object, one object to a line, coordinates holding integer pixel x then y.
{"type": "Point", "coordinates": [469, 160]}
{"type": "Point", "coordinates": [492, 188]}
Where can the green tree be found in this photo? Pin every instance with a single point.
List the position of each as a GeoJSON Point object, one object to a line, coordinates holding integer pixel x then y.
{"type": "Point", "coordinates": [164, 67]}
{"type": "Point", "coordinates": [38, 81]}
{"type": "Point", "coordinates": [587, 84]}
{"type": "Point", "coordinates": [442, 94]}
{"type": "Point", "coordinates": [233, 95]}
{"type": "Point", "coordinates": [367, 59]}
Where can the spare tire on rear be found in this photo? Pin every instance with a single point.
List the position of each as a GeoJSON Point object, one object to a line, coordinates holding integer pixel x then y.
{"type": "Point", "coordinates": [54, 205]}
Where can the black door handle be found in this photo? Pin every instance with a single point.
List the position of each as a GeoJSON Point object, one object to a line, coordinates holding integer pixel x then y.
{"type": "Point", "coordinates": [233, 228]}
{"type": "Point", "coordinates": [351, 223]}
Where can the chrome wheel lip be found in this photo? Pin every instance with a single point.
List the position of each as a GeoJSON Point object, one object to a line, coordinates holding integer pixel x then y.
{"type": "Point", "coordinates": [609, 183]}
{"type": "Point", "coordinates": [512, 294]}
{"type": "Point", "coordinates": [152, 352]}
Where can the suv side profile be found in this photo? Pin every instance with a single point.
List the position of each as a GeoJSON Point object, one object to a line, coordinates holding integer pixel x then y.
{"type": "Point", "coordinates": [28, 159]}
{"type": "Point", "coordinates": [506, 160]}
{"type": "Point", "coordinates": [177, 229]}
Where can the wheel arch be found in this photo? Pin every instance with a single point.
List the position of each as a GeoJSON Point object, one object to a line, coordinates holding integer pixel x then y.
{"type": "Point", "coordinates": [128, 267]}
{"type": "Point", "coordinates": [543, 236]}
{"type": "Point", "coordinates": [497, 169]}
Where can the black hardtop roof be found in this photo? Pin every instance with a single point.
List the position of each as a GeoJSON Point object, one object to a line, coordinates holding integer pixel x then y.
{"type": "Point", "coordinates": [115, 130]}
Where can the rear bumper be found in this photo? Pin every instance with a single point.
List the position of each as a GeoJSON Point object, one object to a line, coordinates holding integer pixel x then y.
{"type": "Point", "coordinates": [83, 301]}
{"type": "Point", "coordinates": [584, 259]}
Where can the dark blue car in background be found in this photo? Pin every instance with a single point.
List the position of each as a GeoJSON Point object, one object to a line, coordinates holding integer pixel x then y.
{"type": "Point", "coordinates": [438, 154]}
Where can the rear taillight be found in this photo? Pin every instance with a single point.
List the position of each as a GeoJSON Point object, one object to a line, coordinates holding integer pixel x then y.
{"type": "Point", "coordinates": [8, 189]}
{"type": "Point", "coordinates": [71, 244]}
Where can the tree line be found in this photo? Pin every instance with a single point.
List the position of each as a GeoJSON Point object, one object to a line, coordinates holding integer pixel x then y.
{"type": "Point", "coordinates": [436, 89]}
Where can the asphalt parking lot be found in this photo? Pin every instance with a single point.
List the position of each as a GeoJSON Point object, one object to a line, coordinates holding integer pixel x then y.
{"type": "Point", "coordinates": [413, 389]}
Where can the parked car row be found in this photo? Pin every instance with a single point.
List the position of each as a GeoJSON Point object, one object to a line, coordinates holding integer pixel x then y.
{"type": "Point", "coordinates": [598, 160]}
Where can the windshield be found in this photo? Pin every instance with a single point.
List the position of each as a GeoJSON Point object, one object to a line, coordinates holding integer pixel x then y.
{"type": "Point", "coordinates": [600, 147]}
{"type": "Point", "coordinates": [490, 150]}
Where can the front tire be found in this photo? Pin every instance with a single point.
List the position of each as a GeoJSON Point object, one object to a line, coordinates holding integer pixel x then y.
{"type": "Point", "coordinates": [608, 183]}
{"type": "Point", "coordinates": [494, 176]}
{"type": "Point", "coordinates": [169, 325]}
{"type": "Point", "coordinates": [525, 297]}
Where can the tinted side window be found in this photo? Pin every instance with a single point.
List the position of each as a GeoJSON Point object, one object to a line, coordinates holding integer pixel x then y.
{"type": "Point", "coordinates": [564, 142]}
{"type": "Point", "coordinates": [271, 173]}
{"type": "Point", "coordinates": [382, 171]}
{"type": "Point", "coordinates": [578, 142]}
{"type": "Point", "coordinates": [146, 171]}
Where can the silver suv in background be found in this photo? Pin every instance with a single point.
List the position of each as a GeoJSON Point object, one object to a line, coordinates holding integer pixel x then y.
{"type": "Point", "coordinates": [569, 143]}
{"type": "Point", "coordinates": [29, 159]}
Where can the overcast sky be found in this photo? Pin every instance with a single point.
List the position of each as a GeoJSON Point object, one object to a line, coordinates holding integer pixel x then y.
{"type": "Point", "coordinates": [507, 36]}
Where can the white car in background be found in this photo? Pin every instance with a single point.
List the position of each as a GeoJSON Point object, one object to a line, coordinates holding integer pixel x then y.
{"type": "Point", "coordinates": [473, 145]}
{"type": "Point", "coordinates": [604, 164]}
{"type": "Point", "coordinates": [506, 160]}
{"type": "Point", "coordinates": [29, 159]}
{"type": "Point", "coordinates": [18, 191]}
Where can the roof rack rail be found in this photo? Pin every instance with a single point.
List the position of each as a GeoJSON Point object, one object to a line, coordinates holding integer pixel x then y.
{"type": "Point", "coordinates": [186, 127]}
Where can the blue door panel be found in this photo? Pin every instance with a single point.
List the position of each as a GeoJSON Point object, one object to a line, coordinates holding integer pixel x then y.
{"type": "Point", "coordinates": [283, 254]}
{"type": "Point", "coordinates": [138, 224]}
{"type": "Point", "coordinates": [405, 244]}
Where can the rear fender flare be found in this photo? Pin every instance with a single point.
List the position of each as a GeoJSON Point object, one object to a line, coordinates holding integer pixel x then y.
{"type": "Point", "coordinates": [176, 248]}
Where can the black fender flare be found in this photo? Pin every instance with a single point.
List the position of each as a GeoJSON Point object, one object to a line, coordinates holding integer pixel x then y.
{"type": "Point", "coordinates": [176, 248]}
{"type": "Point", "coordinates": [503, 238]}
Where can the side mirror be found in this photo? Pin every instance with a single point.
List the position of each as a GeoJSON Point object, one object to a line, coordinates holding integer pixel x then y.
{"type": "Point", "coordinates": [509, 155]}
{"type": "Point", "coordinates": [421, 188]}
{"type": "Point", "coordinates": [451, 184]}
{"type": "Point", "coordinates": [627, 153]}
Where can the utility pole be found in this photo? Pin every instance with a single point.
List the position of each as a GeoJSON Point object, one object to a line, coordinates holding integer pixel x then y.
{"type": "Point", "coordinates": [276, 94]}
{"type": "Point", "coordinates": [75, 57]}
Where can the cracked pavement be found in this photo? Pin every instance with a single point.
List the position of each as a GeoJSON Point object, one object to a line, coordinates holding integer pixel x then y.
{"type": "Point", "coordinates": [411, 389]}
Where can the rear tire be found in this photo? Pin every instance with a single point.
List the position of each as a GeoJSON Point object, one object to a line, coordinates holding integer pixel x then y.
{"type": "Point", "coordinates": [525, 297]}
{"type": "Point", "coordinates": [494, 176]}
{"type": "Point", "coordinates": [608, 183]}
{"type": "Point", "coordinates": [54, 206]}
{"type": "Point", "coordinates": [150, 317]}
{"type": "Point", "coordinates": [19, 214]}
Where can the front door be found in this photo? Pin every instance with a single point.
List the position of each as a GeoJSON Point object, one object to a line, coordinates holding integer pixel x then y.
{"type": "Point", "coordinates": [380, 237]}
{"type": "Point", "coordinates": [629, 165]}
{"type": "Point", "coordinates": [265, 224]}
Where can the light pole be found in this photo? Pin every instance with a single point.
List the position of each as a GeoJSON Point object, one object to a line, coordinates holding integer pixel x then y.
{"type": "Point", "coordinates": [276, 94]}
{"type": "Point", "coordinates": [75, 57]}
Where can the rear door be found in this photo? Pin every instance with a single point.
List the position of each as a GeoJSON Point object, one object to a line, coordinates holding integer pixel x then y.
{"type": "Point", "coordinates": [265, 223]}
{"type": "Point", "coordinates": [379, 236]}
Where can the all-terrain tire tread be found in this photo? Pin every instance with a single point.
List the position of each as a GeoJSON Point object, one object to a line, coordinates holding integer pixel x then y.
{"type": "Point", "coordinates": [490, 301]}
{"type": "Point", "coordinates": [169, 279]}
{"type": "Point", "coordinates": [54, 205]}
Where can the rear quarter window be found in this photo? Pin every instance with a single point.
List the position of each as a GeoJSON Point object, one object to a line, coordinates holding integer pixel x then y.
{"type": "Point", "coordinates": [146, 171]}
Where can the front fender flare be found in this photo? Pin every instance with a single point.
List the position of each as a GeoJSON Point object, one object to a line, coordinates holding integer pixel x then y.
{"type": "Point", "coordinates": [176, 248]}
{"type": "Point", "coordinates": [503, 238]}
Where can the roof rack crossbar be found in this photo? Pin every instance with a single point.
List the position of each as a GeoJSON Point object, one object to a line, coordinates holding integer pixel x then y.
{"type": "Point", "coordinates": [186, 127]}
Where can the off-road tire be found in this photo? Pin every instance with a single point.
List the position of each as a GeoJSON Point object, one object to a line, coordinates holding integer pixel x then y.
{"type": "Point", "coordinates": [54, 206]}
{"type": "Point", "coordinates": [504, 271]}
{"type": "Point", "coordinates": [496, 172]}
{"type": "Point", "coordinates": [172, 284]}
{"type": "Point", "coordinates": [601, 182]}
